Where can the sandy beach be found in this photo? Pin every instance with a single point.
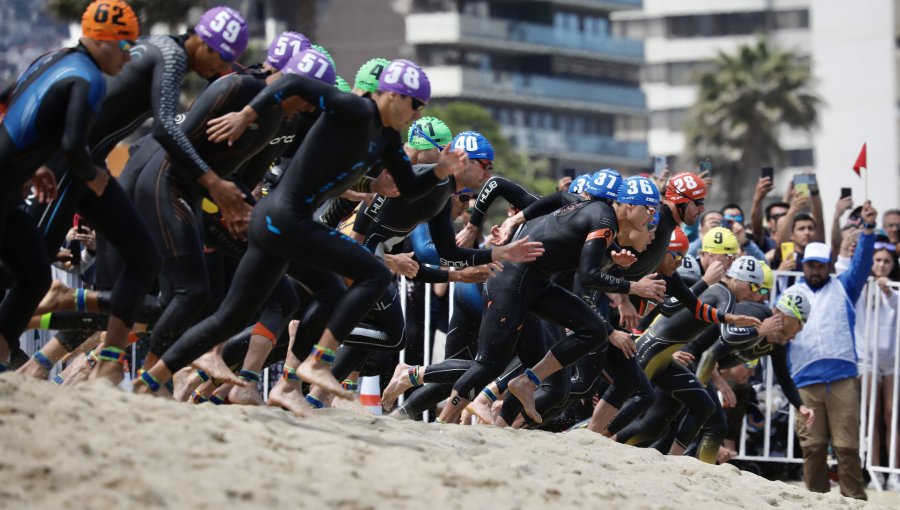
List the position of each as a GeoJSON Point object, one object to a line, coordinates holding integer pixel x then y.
{"type": "Point", "coordinates": [94, 446]}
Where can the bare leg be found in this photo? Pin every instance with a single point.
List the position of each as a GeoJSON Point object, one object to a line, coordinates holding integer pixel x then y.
{"type": "Point", "coordinates": [54, 350]}
{"type": "Point", "coordinates": [59, 297]}
{"type": "Point", "coordinates": [185, 381]}
{"type": "Point", "coordinates": [523, 388]}
{"type": "Point", "coordinates": [257, 352]}
{"type": "Point", "coordinates": [603, 414]}
{"type": "Point", "coordinates": [214, 366]}
{"type": "Point", "coordinates": [454, 408]}
{"type": "Point", "coordinates": [399, 384]}
{"type": "Point", "coordinates": [316, 372]}
{"type": "Point", "coordinates": [482, 405]}
{"type": "Point", "coordinates": [116, 337]}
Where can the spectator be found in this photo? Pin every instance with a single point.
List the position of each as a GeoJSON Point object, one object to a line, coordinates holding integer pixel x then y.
{"type": "Point", "coordinates": [850, 236]}
{"type": "Point", "coordinates": [823, 364]}
{"type": "Point", "coordinates": [563, 184]}
{"type": "Point", "coordinates": [733, 213]}
{"type": "Point", "coordinates": [891, 221]}
{"type": "Point", "coordinates": [803, 232]}
{"type": "Point", "coordinates": [708, 221]}
{"type": "Point", "coordinates": [881, 338]}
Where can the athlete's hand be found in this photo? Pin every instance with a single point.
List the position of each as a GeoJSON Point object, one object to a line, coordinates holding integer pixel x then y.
{"type": "Point", "coordinates": [810, 416]}
{"type": "Point", "coordinates": [744, 321]}
{"type": "Point", "coordinates": [98, 184]}
{"type": "Point", "coordinates": [628, 316]}
{"type": "Point", "coordinates": [476, 274]}
{"type": "Point", "coordinates": [384, 185]}
{"type": "Point", "coordinates": [714, 273]}
{"type": "Point", "coordinates": [623, 258]}
{"type": "Point", "coordinates": [465, 238]}
{"type": "Point", "coordinates": [44, 184]}
{"type": "Point", "coordinates": [685, 358]}
{"type": "Point", "coordinates": [451, 162]}
{"type": "Point", "coordinates": [729, 399]}
{"type": "Point", "coordinates": [648, 287]}
{"type": "Point", "coordinates": [402, 264]}
{"type": "Point", "coordinates": [623, 341]}
{"type": "Point", "coordinates": [726, 454]}
{"type": "Point", "coordinates": [230, 200]}
{"type": "Point", "coordinates": [231, 126]}
{"type": "Point", "coordinates": [773, 324]}
{"type": "Point", "coordinates": [502, 235]}
{"type": "Point", "coordinates": [354, 196]}
{"type": "Point", "coordinates": [518, 251]}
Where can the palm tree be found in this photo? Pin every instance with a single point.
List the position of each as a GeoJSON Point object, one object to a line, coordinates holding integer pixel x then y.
{"type": "Point", "coordinates": [741, 107]}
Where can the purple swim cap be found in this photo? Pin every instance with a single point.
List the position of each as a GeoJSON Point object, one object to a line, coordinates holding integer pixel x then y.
{"type": "Point", "coordinates": [407, 78]}
{"type": "Point", "coordinates": [225, 31]}
{"type": "Point", "coordinates": [284, 47]}
{"type": "Point", "coordinates": [312, 64]}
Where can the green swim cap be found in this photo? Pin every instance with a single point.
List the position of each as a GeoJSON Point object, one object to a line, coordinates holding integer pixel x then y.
{"type": "Point", "coordinates": [432, 127]}
{"type": "Point", "coordinates": [367, 76]}
{"type": "Point", "coordinates": [323, 51]}
{"type": "Point", "coordinates": [341, 84]}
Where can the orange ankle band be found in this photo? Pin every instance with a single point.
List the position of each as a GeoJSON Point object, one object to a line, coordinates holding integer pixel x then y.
{"type": "Point", "coordinates": [263, 331]}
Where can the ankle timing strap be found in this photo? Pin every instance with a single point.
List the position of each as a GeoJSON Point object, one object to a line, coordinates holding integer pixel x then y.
{"type": "Point", "coordinates": [58, 380]}
{"type": "Point", "coordinates": [80, 301]}
{"type": "Point", "coordinates": [489, 394]}
{"type": "Point", "coordinates": [322, 354]}
{"type": "Point", "coordinates": [112, 354]}
{"type": "Point", "coordinates": [414, 375]}
{"type": "Point", "coordinates": [349, 385]}
{"type": "Point", "coordinates": [202, 375]}
{"type": "Point", "coordinates": [216, 400]}
{"type": "Point", "coordinates": [41, 359]}
{"type": "Point", "coordinates": [531, 377]}
{"type": "Point", "coordinates": [314, 402]}
{"type": "Point", "coordinates": [249, 375]}
{"type": "Point", "coordinates": [291, 374]}
{"type": "Point", "coordinates": [150, 381]}
{"type": "Point", "coordinates": [197, 398]}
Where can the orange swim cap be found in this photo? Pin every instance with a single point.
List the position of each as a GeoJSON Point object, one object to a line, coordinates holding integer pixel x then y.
{"type": "Point", "coordinates": [109, 20]}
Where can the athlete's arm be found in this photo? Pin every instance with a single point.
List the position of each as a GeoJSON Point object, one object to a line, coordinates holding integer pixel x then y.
{"type": "Point", "coordinates": [710, 357]}
{"type": "Point", "coordinates": [443, 236]}
{"type": "Point", "coordinates": [366, 215]}
{"type": "Point", "coordinates": [75, 129]}
{"type": "Point", "coordinates": [677, 288]}
{"type": "Point", "coordinates": [495, 187]}
{"type": "Point", "coordinates": [423, 246]}
{"type": "Point", "coordinates": [548, 204]}
{"type": "Point", "coordinates": [593, 254]}
{"type": "Point", "coordinates": [410, 184]}
{"type": "Point", "coordinates": [783, 375]}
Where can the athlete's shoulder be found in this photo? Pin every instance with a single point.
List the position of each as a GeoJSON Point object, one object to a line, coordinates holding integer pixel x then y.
{"type": "Point", "coordinates": [758, 310]}
{"type": "Point", "coordinates": [164, 48]}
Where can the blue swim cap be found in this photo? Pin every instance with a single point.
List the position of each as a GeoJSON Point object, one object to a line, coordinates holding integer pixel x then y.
{"type": "Point", "coordinates": [604, 184]}
{"type": "Point", "coordinates": [637, 190]}
{"type": "Point", "coordinates": [579, 183]}
{"type": "Point", "coordinates": [475, 145]}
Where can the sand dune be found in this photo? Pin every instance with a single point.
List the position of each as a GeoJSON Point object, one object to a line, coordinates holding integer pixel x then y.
{"type": "Point", "coordinates": [59, 451]}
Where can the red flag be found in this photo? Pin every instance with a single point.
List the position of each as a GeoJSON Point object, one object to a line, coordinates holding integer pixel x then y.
{"type": "Point", "coordinates": [860, 161]}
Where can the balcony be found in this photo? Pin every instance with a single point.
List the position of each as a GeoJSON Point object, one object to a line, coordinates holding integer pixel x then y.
{"type": "Point", "coordinates": [580, 146]}
{"type": "Point", "coordinates": [516, 88]}
{"type": "Point", "coordinates": [513, 36]}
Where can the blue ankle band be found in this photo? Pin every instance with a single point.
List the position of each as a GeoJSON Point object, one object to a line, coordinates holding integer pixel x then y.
{"type": "Point", "coordinates": [58, 380]}
{"type": "Point", "coordinates": [314, 402]}
{"type": "Point", "coordinates": [80, 302]}
{"type": "Point", "coordinates": [43, 360]}
{"type": "Point", "coordinates": [291, 375]}
{"type": "Point", "coordinates": [3, 368]}
{"type": "Point", "coordinates": [216, 400]}
{"type": "Point", "coordinates": [198, 398]}
{"type": "Point", "coordinates": [489, 394]}
{"type": "Point", "coordinates": [150, 381]}
{"type": "Point", "coordinates": [249, 375]}
{"type": "Point", "coordinates": [531, 377]}
{"type": "Point", "coordinates": [202, 375]}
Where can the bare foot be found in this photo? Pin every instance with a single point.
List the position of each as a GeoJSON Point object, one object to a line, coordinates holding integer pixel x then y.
{"type": "Point", "coordinates": [319, 374]}
{"type": "Point", "coordinates": [321, 395]}
{"type": "Point", "coordinates": [481, 411]}
{"type": "Point", "coordinates": [500, 422]}
{"type": "Point", "coordinates": [33, 369]}
{"type": "Point", "coordinates": [215, 367]}
{"type": "Point", "coordinates": [523, 389]}
{"type": "Point", "coordinates": [245, 395]}
{"type": "Point", "coordinates": [203, 392]}
{"type": "Point", "coordinates": [185, 381]}
{"type": "Point", "coordinates": [59, 297]}
{"type": "Point", "coordinates": [220, 395]}
{"type": "Point", "coordinates": [399, 384]}
{"type": "Point", "coordinates": [290, 398]}
{"type": "Point", "coordinates": [76, 371]}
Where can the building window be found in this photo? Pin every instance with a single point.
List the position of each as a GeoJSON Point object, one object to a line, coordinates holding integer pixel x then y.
{"type": "Point", "coordinates": [800, 158]}
{"type": "Point", "coordinates": [735, 23]}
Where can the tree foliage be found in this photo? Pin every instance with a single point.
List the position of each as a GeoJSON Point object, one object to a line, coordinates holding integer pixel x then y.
{"type": "Point", "coordinates": [742, 106]}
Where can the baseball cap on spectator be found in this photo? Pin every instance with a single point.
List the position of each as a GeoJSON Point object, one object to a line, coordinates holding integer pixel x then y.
{"type": "Point", "coordinates": [817, 252]}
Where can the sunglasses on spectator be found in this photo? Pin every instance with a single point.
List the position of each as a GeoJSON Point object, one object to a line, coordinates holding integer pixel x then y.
{"type": "Point", "coordinates": [885, 246]}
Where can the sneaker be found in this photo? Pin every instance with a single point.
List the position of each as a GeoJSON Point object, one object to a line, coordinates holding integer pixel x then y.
{"type": "Point", "coordinates": [877, 482]}
{"type": "Point", "coordinates": [893, 483]}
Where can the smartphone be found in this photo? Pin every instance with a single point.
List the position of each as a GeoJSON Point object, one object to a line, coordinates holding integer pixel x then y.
{"type": "Point", "coordinates": [846, 192]}
{"type": "Point", "coordinates": [706, 167]}
{"type": "Point", "coordinates": [569, 172]}
{"type": "Point", "coordinates": [659, 165]}
{"type": "Point", "coordinates": [787, 250]}
{"type": "Point", "coordinates": [769, 172]}
{"type": "Point", "coordinates": [801, 189]}
{"type": "Point", "coordinates": [727, 223]}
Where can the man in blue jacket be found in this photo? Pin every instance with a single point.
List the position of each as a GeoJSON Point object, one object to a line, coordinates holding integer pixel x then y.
{"type": "Point", "coordinates": [823, 363]}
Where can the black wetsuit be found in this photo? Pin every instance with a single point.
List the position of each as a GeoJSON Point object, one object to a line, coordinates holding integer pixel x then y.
{"type": "Point", "coordinates": [342, 145]}
{"type": "Point", "coordinates": [48, 109]}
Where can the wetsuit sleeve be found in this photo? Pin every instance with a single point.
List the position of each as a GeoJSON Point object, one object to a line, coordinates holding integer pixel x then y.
{"type": "Point", "coordinates": [686, 296]}
{"type": "Point", "coordinates": [519, 197]}
{"type": "Point", "coordinates": [444, 238]}
{"type": "Point", "coordinates": [423, 246]}
{"type": "Point", "coordinates": [710, 357]}
{"type": "Point", "coordinates": [593, 254]}
{"type": "Point", "coordinates": [546, 205]}
{"type": "Point", "coordinates": [366, 214]}
{"type": "Point", "coordinates": [426, 273]}
{"type": "Point", "coordinates": [783, 374]}
{"type": "Point", "coordinates": [73, 143]}
{"type": "Point", "coordinates": [410, 184]}
{"type": "Point", "coordinates": [314, 92]}
{"type": "Point", "coordinates": [165, 97]}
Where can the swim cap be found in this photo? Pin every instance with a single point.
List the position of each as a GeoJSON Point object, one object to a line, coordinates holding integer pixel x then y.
{"type": "Point", "coordinates": [689, 265]}
{"type": "Point", "coordinates": [769, 276]}
{"type": "Point", "coordinates": [225, 31]}
{"type": "Point", "coordinates": [475, 145]}
{"type": "Point", "coordinates": [431, 127]}
{"type": "Point", "coordinates": [637, 190]}
{"type": "Point", "coordinates": [684, 187]}
{"type": "Point", "coordinates": [579, 183]}
{"type": "Point", "coordinates": [720, 240]}
{"type": "Point", "coordinates": [406, 78]}
{"type": "Point", "coordinates": [368, 73]}
{"type": "Point", "coordinates": [312, 64]}
{"type": "Point", "coordinates": [679, 242]}
{"type": "Point", "coordinates": [284, 47]}
{"type": "Point", "coordinates": [795, 302]}
{"type": "Point", "coordinates": [109, 20]}
{"type": "Point", "coordinates": [341, 84]}
{"type": "Point", "coordinates": [325, 52]}
{"type": "Point", "coordinates": [604, 184]}
{"type": "Point", "coordinates": [746, 269]}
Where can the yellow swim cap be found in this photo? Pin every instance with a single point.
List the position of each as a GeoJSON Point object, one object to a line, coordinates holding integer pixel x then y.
{"type": "Point", "coordinates": [769, 277]}
{"type": "Point", "coordinates": [720, 241]}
